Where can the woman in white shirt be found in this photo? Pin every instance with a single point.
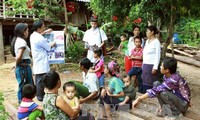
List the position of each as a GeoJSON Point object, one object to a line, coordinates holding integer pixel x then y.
{"type": "Point", "coordinates": [21, 52]}
{"type": "Point", "coordinates": [151, 58]}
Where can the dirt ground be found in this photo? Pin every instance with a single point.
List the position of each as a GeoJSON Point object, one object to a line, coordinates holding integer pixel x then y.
{"type": "Point", "coordinates": [8, 83]}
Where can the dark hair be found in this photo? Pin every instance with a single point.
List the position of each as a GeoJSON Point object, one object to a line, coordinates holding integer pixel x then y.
{"type": "Point", "coordinates": [124, 35]}
{"type": "Point", "coordinates": [69, 84]}
{"type": "Point", "coordinates": [153, 29]}
{"type": "Point", "coordinates": [138, 37]}
{"type": "Point", "coordinates": [94, 18]}
{"type": "Point", "coordinates": [86, 63]}
{"type": "Point", "coordinates": [98, 51]}
{"type": "Point", "coordinates": [135, 27]}
{"type": "Point", "coordinates": [50, 79]}
{"type": "Point", "coordinates": [37, 24]}
{"type": "Point", "coordinates": [171, 64]}
{"type": "Point", "coordinates": [18, 32]}
{"type": "Point", "coordinates": [29, 91]}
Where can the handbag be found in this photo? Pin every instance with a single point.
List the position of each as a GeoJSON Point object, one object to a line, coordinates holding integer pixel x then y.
{"type": "Point", "coordinates": [104, 46]}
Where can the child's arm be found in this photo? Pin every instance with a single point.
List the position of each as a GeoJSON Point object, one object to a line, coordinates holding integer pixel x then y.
{"type": "Point", "coordinates": [136, 57]}
{"type": "Point", "coordinates": [125, 101]}
{"type": "Point", "coordinates": [96, 70]}
{"type": "Point", "coordinates": [89, 97]}
{"type": "Point", "coordinates": [76, 103]}
{"type": "Point", "coordinates": [115, 95]}
{"type": "Point", "coordinates": [39, 107]}
{"type": "Point", "coordinates": [65, 107]}
{"type": "Point", "coordinates": [120, 46]}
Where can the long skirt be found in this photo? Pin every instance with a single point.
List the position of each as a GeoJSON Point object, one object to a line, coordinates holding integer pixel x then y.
{"type": "Point", "coordinates": [147, 77]}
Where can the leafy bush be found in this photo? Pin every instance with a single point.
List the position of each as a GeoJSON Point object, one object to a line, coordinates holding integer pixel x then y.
{"type": "Point", "coordinates": [3, 113]}
{"type": "Point", "coordinates": [75, 51]}
{"type": "Point", "coordinates": [189, 31]}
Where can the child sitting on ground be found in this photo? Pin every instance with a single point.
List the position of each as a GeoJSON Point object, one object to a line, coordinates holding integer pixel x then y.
{"type": "Point", "coordinates": [129, 91]}
{"type": "Point", "coordinates": [173, 94]}
{"type": "Point", "coordinates": [69, 89]}
{"type": "Point", "coordinates": [28, 109]}
{"type": "Point", "coordinates": [99, 67]}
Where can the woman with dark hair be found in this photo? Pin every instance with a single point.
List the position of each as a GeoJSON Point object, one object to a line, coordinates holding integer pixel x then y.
{"type": "Point", "coordinates": [21, 52]}
{"type": "Point", "coordinates": [55, 107]}
{"type": "Point", "coordinates": [131, 46]}
{"type": "Point", "coordinates": [39, 49]}
{"type": "Point", "coordinates": [151, 58]}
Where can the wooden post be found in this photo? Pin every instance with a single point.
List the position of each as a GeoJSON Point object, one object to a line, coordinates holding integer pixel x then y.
{"type": "Point", "coordinates": [2, 58]}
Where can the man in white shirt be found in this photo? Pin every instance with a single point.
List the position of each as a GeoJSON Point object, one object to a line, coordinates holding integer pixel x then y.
{"type": "Point", "coordinates": [39, 49]}
{"type": "Point", "coordinates": [94, 37]}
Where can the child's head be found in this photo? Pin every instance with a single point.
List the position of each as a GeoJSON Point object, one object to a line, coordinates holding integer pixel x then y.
{"type": "Point", "coordinates": [29, 91]}
{"type": "Point", "coordinates": [169, 66]}
{"type": "Point", "coordinates": [51, 80]}
{"type": "Point", "coordinates": [123, 37]}
{"type": "Point", "coordinates": [69, 89]}
{"type": "Point", "coordinates": [97, 53]}
{"type": "Point", "coordinates": [138, 41]}
{"type": "Point", "coordinates": [126, 80]}
{"type": "Point", "coordinates": [85, 63]}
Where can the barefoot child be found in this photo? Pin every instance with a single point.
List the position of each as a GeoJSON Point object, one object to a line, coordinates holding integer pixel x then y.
{"type": "Point", "coordinates": [173, 92]}
{"type": "Point", "coordinates": [28, 109]}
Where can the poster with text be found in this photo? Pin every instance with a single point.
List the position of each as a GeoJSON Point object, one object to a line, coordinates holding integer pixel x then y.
{"type": "Point", "coordinates": [56, 54]}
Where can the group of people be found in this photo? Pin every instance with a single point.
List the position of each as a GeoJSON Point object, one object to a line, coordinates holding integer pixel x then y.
{"type": "Point", "coordinates": [100, 81]}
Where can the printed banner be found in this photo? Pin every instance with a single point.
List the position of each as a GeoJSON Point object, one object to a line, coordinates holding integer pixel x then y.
{"type": "Point", "coordinates": [56, 54]}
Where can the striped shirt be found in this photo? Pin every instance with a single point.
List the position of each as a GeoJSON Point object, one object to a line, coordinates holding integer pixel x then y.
{"type": "Point", "coordinates": [26, 107]}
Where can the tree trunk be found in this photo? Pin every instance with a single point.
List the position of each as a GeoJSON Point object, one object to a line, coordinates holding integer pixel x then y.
{"type": "Point", "coordinates": [2, 58]}
{"type": "Point", "coordinates": [170, 32]}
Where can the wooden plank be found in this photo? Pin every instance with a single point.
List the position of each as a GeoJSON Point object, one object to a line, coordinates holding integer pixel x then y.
{"type": "Point", "coordinates": [184, 59]}
{"type": "Point", "coordinates": [128, 116]}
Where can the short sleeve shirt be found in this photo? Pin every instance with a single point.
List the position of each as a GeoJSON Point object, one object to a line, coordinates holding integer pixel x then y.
{"type": "Point", "coordinates": [21, 43]}
{"type": "Point", "coordinates": [26, 107]}
{"type": "Point", "coordinates": [116, 86]}
{"type": "Point", "coordinates": [137, 52]}
{"type": "Point", "coordinates": [99, 63]}
{"type": "Point", "coordinates": [91, 82]}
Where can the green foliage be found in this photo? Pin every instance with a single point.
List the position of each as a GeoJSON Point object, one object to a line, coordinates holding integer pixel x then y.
{"type": "Point", "coordinates": [20, 7]}
{"type": "Point", "coordinates": [3, 113]}
{"type": "Point", "coordinates": [189, 31]}
{"type": "Point", "coordinates": [75, 51]}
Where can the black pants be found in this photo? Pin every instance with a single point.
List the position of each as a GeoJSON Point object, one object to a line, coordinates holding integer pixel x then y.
{"type": "Point", "coordinates": [40, 88]}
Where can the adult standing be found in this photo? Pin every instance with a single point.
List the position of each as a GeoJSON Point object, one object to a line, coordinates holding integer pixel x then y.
{"type": "Point", "coordinates": [151, 58]}
{"type": "Point", "coordinates": [94, 37]}
{"type": "Point", "coordinates": [39, 49]}
{"type": "Point", "coordinates": [21, 52]}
